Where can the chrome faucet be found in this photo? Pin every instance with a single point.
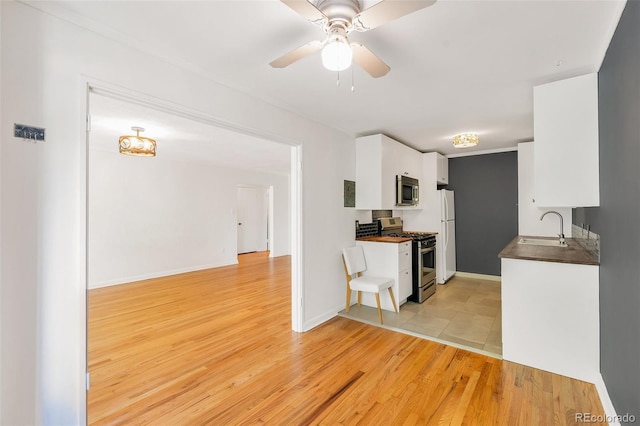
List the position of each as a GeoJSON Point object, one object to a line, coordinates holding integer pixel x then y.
{"type": "Point", "coordinates": [561, 234]}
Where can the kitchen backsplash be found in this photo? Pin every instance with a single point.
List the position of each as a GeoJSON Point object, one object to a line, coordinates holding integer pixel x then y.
{"type": "Point", "coordinates": [366, 229]}
{"type": "Point", "coordinates": [590, 241]}
{"type": "Point", "coordinates": [369, 229]}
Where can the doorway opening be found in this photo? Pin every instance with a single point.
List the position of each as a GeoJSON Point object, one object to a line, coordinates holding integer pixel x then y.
{"type": "Point", "coordinates": [254, 212]}
{"type": "Point", "coordinates": [290, 183]}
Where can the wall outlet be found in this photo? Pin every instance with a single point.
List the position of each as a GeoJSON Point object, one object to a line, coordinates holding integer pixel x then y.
{"type": "Point", "coordinates": [30, 133]}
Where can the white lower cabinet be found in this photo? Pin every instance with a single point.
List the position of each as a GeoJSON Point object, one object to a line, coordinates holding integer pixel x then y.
{"type": "Point", "coordinates": [388, 260]}
{"type": "Point", "coordinates": [550, 317]}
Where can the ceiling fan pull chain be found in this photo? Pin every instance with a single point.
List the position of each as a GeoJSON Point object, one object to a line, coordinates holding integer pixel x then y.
{"type": "Point", "coordinates": [338, 81]}
{"type": "Point", "coordinates": [353, 84]}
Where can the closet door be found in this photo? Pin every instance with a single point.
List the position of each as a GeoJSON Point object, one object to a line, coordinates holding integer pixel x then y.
{"type": "Point", "coordinates": [253, 210]}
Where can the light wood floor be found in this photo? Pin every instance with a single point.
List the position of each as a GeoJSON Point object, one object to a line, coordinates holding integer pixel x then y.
{"type": "Point", "coordinates": [216, 347]}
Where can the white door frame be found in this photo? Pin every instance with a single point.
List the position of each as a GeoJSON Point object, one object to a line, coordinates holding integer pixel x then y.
{"type": "Point", "coordinates": [87, 86]}
{"type": "Point", "coordinates": [297, 266]}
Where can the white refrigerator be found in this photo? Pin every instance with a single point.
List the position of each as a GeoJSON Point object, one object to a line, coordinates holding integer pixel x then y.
{"type": "Point", "coordinates": [446, 252]}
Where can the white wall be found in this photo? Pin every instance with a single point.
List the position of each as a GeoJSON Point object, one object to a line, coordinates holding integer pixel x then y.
{"type": "Point", "coordinates": [151, 217]}
{"type": "Point", "coordinates": [19, 246]}
{"type": "Point", "coordinates": [44, 61]}
{"type": "Point", "coordinates": [529, 213]}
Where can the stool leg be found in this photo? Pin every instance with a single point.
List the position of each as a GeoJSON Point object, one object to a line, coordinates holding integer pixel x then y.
{"type": "Point", "coordinates": [359, 297]}
{"type": "Point", "coordinates": [348, 298]}
{"type": "Point", "coordinates": [393, 300]}
{"type": "Point", "coordinates": [379, 310]}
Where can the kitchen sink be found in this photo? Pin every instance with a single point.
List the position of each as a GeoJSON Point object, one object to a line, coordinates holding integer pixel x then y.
{"type": "Point", "coordinates": [541, 242]}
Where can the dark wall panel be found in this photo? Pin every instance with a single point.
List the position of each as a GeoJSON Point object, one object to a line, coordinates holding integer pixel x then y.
{"type": "Point", "coordinates": [486, 198]}
{"type": "Point", "coordinates": [617, 220]}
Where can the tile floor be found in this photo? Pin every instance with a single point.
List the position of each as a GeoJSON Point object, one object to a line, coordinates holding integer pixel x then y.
{"type": "Point", "coordinates": [465, 312]}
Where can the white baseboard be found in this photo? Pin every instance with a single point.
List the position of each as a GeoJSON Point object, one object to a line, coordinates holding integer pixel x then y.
{"type": "Point", "coordinates": [159, 274]}
{"type": "Point", "coordinates": [319, 319]}
{"type": "Point", "coordinates": [607, 405]}
{"type": "Point", "coordinates": [479, 276]}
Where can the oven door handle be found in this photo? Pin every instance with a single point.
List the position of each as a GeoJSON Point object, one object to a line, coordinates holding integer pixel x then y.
{"type": "Point", "coordinates": [426, 250]}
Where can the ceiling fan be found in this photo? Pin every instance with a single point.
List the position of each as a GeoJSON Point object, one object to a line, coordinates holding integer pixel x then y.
{"type": "Point", "coordinates": [338, 18]}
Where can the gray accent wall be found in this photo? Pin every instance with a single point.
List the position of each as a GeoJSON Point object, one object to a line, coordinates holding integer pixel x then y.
{"type": "Point", "coordinates": [486, 200]}
{"type": "Point", "coordinates": [617, 220]}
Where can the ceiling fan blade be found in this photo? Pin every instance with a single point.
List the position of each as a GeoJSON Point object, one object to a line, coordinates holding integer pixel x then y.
{"type": "Point", "coordinates": [368, 61]}
{"type": "Point", "coordinates": [306, 10]}
{"type": "Point", "coordinates": [387, 11]}
{"type": "Point", "coordinates": [296, 54]}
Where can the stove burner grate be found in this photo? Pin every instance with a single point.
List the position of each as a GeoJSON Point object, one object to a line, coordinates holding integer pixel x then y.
{"type": "Point", "coordinates": [416, 236]}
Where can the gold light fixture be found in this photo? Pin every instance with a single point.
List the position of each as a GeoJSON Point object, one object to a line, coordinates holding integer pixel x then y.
{"type": "Point", "coordinates": [466, 140]}
{"type": "Point", "coordinates": [137, 145]}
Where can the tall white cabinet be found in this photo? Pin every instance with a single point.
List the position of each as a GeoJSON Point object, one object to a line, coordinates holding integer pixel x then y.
{"type": "Point", "coordinates": [442, 169]}
{"type": "Point", "coordinates": [565, 127]}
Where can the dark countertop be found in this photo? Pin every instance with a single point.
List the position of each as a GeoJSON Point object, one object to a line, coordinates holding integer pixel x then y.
{"type": "Point", "coordinates": [574, 253]}
{"type": "Point", "coordinates": [379, 239]}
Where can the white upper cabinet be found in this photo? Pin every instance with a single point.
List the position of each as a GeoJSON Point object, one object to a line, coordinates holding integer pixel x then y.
{"type": "Point", "coordinates": [379, 159]}
{"type": "Point", "coordinates": [442, 169]}
{"type": "Point", "coordinates": [436, 169]}
{"type": "Point", "coordinates": [565, 117]}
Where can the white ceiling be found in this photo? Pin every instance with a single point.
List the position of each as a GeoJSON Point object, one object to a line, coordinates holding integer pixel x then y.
{"type": "Point", "coordinates": [456, 66]}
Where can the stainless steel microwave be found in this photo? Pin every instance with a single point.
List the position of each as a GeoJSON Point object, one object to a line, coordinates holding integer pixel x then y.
{"type": "Point", "coordinates": [407, 191]}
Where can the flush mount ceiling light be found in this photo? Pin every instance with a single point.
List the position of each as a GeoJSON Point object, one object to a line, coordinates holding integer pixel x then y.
{"type": "Point", "coordinates": [466, 140]}
{"type": "Point", "coordinates": [137, 145]}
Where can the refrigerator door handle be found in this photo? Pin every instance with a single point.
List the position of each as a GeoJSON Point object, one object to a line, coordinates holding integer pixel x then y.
{"type": "Point", "coordinates": [446, 234]}
{"type": "Point", "coordinates": [446, 206]}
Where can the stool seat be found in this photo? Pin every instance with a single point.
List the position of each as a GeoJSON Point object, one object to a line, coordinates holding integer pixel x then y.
{"type": "Point", "coordinates": [370, 284]}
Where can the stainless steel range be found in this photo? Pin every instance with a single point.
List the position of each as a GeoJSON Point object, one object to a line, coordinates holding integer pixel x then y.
{"type": "Point", "coordinates": [423, 253]}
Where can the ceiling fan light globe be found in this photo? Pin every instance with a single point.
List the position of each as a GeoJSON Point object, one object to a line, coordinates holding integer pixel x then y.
{"type": "Point", "coordinates": [337, 55]}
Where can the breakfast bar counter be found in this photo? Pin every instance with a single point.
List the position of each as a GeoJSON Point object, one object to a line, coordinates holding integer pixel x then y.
{"type": "Point", "coordinates": [550, 317]}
